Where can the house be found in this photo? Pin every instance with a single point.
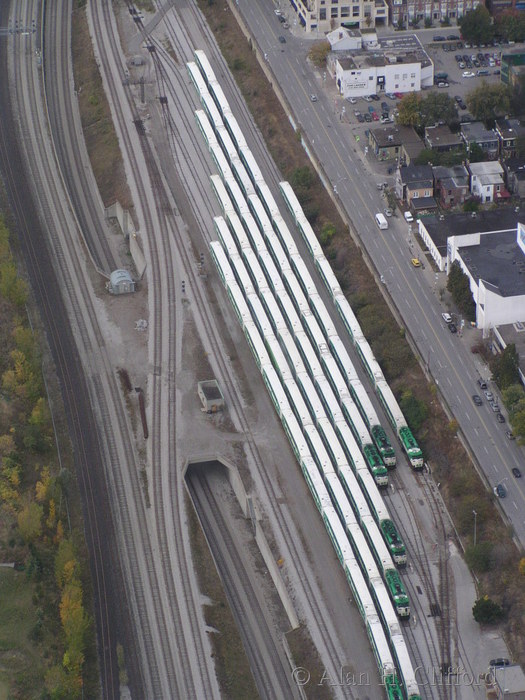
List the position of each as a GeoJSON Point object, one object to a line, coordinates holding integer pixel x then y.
{"type": "Point", "coordinates": [411, 147]}
{"type": "Point", "coordinates": [486, 139]}
{"type": "Point", "coordinates": [438, 11]}
{"type": "Point", "coordinates": [508, 132]}
{"type": "Point", "coordinates": [387, 142]}
{"type": "Point", "coordinates": [486, 181]}
{"type": "Point", "coordinates": [439, 138]}
{"type": "Point", "coordinates": [344, 39]}
{"type": "Point", "coordinates": [514, 173]}
{"type": "Point", "coordinates": [451, 185]}
{"type": "Point", "coordinates": [415, 182]}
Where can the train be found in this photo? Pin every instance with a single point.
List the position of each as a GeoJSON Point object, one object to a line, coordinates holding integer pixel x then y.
{"type": "Point", "coordinates": [284, 321]}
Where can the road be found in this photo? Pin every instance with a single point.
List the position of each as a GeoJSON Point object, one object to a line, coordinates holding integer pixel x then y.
{"type": "Point", "coordinates": [414, 294]}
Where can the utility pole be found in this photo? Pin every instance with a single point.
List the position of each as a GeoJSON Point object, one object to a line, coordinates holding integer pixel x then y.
{"type": "Point", "coordinates": [475, 523]}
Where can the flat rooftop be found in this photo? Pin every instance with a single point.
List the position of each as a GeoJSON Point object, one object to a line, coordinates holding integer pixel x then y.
{"type": "Point", "coordinates": [498, 261]}
{"type": "Point", "coordinates": [391, 50]}
{"type": "Point", "coordinates": [503, 219]}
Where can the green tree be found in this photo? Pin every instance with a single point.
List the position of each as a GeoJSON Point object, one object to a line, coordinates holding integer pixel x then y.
{"type": "Point", "coordinates": [487, 611]}
{"type": "Point", "coordinates": [505, 367]}
{"type": "Point", "coordinates": [458, 285]}
{"type": "Point", "coordinates": [510, 25]}
{"type": "Point", "coordinates": [415, 411]}
{"type": "Point", "coordinates": [410, 110]}
{"type": "Point", "coordinates": [436, 107]}
{"type": "Point", "coordinates": [488, 102]}
{"type": "Point", "coordinates": [476, 26]}
{"type": "Point", "coordinates": [512, 395]}
{"type": "Point", "coordinates": [478, 557]}
{"type": "Point", "coordinates": [318, 53]}
{"type": "Point", "coordinates": [302, 180]}
{"type": "Point", "coordinates": [327, 233]}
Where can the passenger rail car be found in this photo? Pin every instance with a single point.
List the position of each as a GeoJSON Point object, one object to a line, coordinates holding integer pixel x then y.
{"type": "Point", "coordinates": [196, 78]}
{"type": "Point", "coordinates": [204, 65]}
{"type": "Point", "coordinates": [206, 128]}
{"type": "Point", "coordinates": [399, 424]}
{"type": "Point", "coordinates": [307, 232]}
{"type": "Point", "coordinates": [222, 196]}
{"type": "Point", "coordinates": [252, 169]}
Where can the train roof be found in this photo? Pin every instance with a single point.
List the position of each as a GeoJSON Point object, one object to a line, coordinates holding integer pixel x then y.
{"type": "Point", "coordinates": [252, 166]}
{"type": "Point", "coordinates": [375, 497]}
{"type": "Point", "coordinates": [284, 234]}
{"type": "Point", "coordinates": [253, 234]}
{"type": "Point", "coordinates": [211, 110]}
{"type": "Point", "coordinates": [257, 346]}
{"type": "Point", "coordinates": [307, 353]}
{"type": "Point", "coordinates": [290, 197]}
{"type": "Point", "coordinates": [318, 449]}
{"type": "Point", "coordinates": [294, 433]}
{"type": "Point", "coordinates": [222, 194]}
{"type": "Point", "coordinates": [348, 439]}
{"type": "Point", "coordinates": [338, 348]}
{"type": "Point", "coordinates": [226, 143]}
{"type": "Point", "coordinates": [267, 195]}
{"type": "Point", "coordinates": [282, 366]}
{"type": "Point", "coordinates": [204, 124]}
{"type": "Point", "coordinates": [327, 274]}
{"type": "Point", "coordinates": [196, 76]}
{"type": "Point", "coordinates": [309, 391]}
{"type": "Point", "coordinates": [316, 482]}
{"type": "Point", "coordinates": [325, 428]}
{"type": "Point", "coordinates": [323, 317]}
{"type": "Point", "coordinates": [237, 298]}
{"type": "Point", "coordinates": [291, 351]}
{"type": "Point", "coordinates": [376, 537]}
{"type": "Point", "coordinates": [348, 479]}
{"type": "Point", "coordinates": [272, 274]}
{"type": "Point", "coordinates": [346, 312]}
{"type": "Point", "coordinates": [299, 266]}
{"type": "Point", "coordinates": [204, 64]}
{"type": "Point", "coordinates": [225, 237]}
{"type": "Point", "coordinates": [271, 379]}
{"type": "Point", "coordinates": [272, 310]}
{"type": "Point", "coordinates": [391, 402]}
{"type": "Point", "coordinates": [355, 418]}
{"type": "Point", "coordinates": [258, 313]}
{"type": "Point", "coordinates": [221, 261]}
{"type": "Point", "coordinates": [338, 533]}
{"type": "Point", "coordinates": [297, 400]}
{"type": "Point", "coordinates": [235, 130]}
{"type": "Point", "coordinates": [239, 170]}
{"type": "Point", "coordinates": [340, 499]}
{"type": "Point", "coordinates": [328, 397]}
{"type": "Point", "coordinates": [296, 293]}
{"type": "Point", "coordinates": [313, 328]}
{"type": "Point", "coordinates": [290, 313]}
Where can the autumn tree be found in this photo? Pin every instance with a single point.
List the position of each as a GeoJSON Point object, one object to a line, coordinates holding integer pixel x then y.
{"type": "Point", "coordinates": [489, 101]}
{"type": "Point", "coordinates": [505, 367]}
{"type": "Point", "coordinates": [476, 26]}
{"type": "Point", "coordinates": [410, 110]}
{"type": "Point", "coordinates": [318, 53]}
{"type": "Point", "coordinates": [30, 522]}
{"type": "Point", "coordinates": [458, 285]}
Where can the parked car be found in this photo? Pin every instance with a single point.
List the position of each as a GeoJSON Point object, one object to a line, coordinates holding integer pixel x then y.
{"type": "Point", "coordinates": [489, 395]}
{"type": "Point", "coordinates": [352, 100]}
{"type": "Point", "coordinates": [500, 492]}
{"type": "Point", "coordinates": [385, 106]}
{"type": "Point", "coordinates": [443, 85]}
{"type": "Point", "coordinates": [371, 109]}
{"type": "Point", "coordinates": [388, 212]}
{"type": "Point", "coordinates": [510, 436]}
{"type": "Point", "coordinates": [375, 97]}
{"type": "Point", "coordinates": [398, 95]}
{"type": "Point", "coordinates": [375, 116]}
{"type": "Point", "coordinates": [452, 328]}
{"type": "Point", "coordinates": [458, 98]}
{"type": "Point", "coordinates": [408, 217]}
{"type": "Point", "coordinates": [477, 400]}
{"type": "Point", "coordinates": [453, 37]}
{"type": "Point", "coordinates": [313, 98]}
{"type": "Point", "coordinates": [517, 473]}
{"type": "Point", "coordinates": [282, 40]}
{"type": "Point", "coordinates": [390, 95]}
{"type": "Point", "coordinates": [482, 384]}
{"type": "Point", "coordinates": [416, 262]}
{"type": "Point", "coordinates": [494, 406]}
{"type": "Point", "coordinates": [367, 117]}
{"type": "Point", "coordinates": [500, 417]}
{"type": "Point", "coordinates": [437, 37]}
{"type": "Point", "coordinates": [467, 74]}
{"type": "Point", "coordinates": [447, 317]}
{"type": "Point", "coordinates": [360, 118]}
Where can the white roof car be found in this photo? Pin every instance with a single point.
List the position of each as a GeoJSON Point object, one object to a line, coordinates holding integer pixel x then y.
{"type": "Point", "coordinates": [447, 318]}
{"type": "Point", "coordinates": [408, 217]}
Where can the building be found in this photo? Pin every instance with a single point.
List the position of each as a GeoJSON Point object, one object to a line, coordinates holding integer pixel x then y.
{"type": "Point", "coordinates": [509, 131]}
{"type": "Point", "coordinates": [403, 11]}
{"type": "Point", "coordinates": [509, 683]}
{"type": "Point", "coordinates": [415, 182]}
{"type": "Point", "coordinates": [210, 395]}
{"type": "Point", "coordinates": [120, 282]}
{"type": "Point", "coordinates": [512, 68]}
{"type": "Point", "coordinates": [486, 181]}
{"type": "Point", "coordinates": [395, 64]}
{"type": "Point", "coordinates": [439, 138]}
{"type": "Point", "coordinates": [451, 185]}
{"type": "Point", "coordinates": [343, 39]}
{"type": "Point", "coordinates": [486, 139]}
{"type": "Point", "coordinates": [386, 142]}
{"type": "Point", "coordinates": [514, 172]}
{"type": "Point", "coordinates": [327, 15]}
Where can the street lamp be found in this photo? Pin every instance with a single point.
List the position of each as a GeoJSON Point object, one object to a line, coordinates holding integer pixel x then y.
{"type": "Point", "coordinates": [475, 523]}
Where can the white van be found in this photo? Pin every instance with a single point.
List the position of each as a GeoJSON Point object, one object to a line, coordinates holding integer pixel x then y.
{"type": "Point", "coordinates": [408, 217]}
{"type": "Point", "coordinates": [381, 221]}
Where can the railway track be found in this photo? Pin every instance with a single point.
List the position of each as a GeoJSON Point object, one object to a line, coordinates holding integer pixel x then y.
{"type": "Point", "coordinates": [265, 659]}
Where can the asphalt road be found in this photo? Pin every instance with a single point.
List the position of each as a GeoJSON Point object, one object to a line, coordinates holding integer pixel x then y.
{"type": "Point", "coordinates": [412, 290]}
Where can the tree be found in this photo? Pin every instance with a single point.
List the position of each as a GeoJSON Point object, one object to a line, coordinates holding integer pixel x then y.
{"type": "Point", "coordinates": [487, 611]}
{"type": "Point", "coordinates": [510, 25]}
{"type": "Point", "coordinates": [437, 107]}
{"type": "Point", "coordinates": [521, 566]}
{"type": "Point", "coordinates": [488, 102]}
{"type": "Point", "coordinates": [512, 395]}
{"type": "Point", "coordinates": [458, 285]}
{"type": "Point", "coordinates": [505, 367]}
{"type": "Point", "coordinates": [327, 233]}
{"type": "Point", "coordinates": [415, 411]}
{"type": "Point", "coordinates": [302, 180]}
{"type": "Point", "coordinates": [478, 557]}
{"type": "Point", "coordinates": [476, 26]}
{"type": "Point", "coordinates": [410, 110]}
{"type": "Point", "coordinates": [30, 522]}
{"type": "Point", "coordinates": [318, 53]}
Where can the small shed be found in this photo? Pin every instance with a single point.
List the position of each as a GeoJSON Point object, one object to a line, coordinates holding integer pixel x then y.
{"type": "Point", "coordinates": [210, 396]}
{"type": "Point", "coordinates": [120, 282]}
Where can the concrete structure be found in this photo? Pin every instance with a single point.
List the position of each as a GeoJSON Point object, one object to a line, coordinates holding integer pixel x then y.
{"type": "Point", "coordinates": [120, 282]}
{"type": "Point", "coordinates": [486, 181]}
{"type": "Point", "coordinates": [210, 395]}
{"type": "Point", "coordinates": [513, 334]}
{"type": "Point", "coordinates": [397, 64]}
{"type": "Point", "coordinates": [436, 230]}
{"type": "Point", "coordinates": [508, 683]}
{"type": "Point", "coordinates": [327, 15]}
{"type": "Point", "coordinates": [414, 182]}
{"type": "Point", "coordinates": [451, 185]}
{"type": "Point", "coordinates": [490, 249]}
{"type": "Point", "coordinates": [403, 10]}
{"type": "Point", "coordinates": [514, 172]}
{"type": "Point", "coordinates": [512, 68]}
{"type": "Point", "coordinates": [509, 131]}
{"type": "Point", "coordinates": [486, 139]}
{"type": "Point", "coordinates": [344, 39]}
{"type": "Point", "coordinates": [439, 138]}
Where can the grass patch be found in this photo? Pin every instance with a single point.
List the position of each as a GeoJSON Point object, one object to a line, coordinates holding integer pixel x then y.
{"type": "Point", "coordinates": [97, 125]}
{"type": "Point", "coordinates": [306, 657]}
{"type": "Point", "coordinates": [231, 663]}
{"type": "Point", "coordinates": [460, 485]}
{"type": "Point", "coordinates": [21, 663]}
